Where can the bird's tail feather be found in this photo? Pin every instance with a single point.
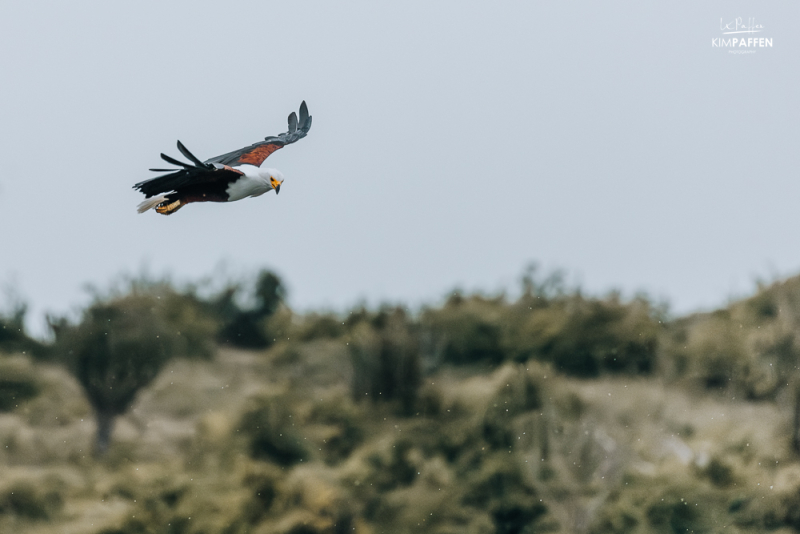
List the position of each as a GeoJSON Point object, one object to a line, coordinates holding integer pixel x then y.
{"type": "Point", "coordinates": [150, 203]}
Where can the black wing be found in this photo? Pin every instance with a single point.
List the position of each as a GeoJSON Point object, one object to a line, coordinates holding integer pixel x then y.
{"type": "Point", "coordinates": [257, 153]}
{"type": "Point", "coordinates": [195, 174]}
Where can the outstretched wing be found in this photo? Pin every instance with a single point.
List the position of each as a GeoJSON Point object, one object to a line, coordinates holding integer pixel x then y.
{"type": "Point", "coordinates": [218, 171]}
{"type": "Point", "coordinates": [257, 153]}
{"type": "Point", "coordinates": [189, 175]}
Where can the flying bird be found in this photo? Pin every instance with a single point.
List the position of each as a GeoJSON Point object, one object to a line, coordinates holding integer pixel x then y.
{"type": "Point", "coordinates": [226, 178]}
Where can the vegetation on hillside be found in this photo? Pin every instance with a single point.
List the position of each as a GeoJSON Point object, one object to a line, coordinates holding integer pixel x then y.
{"type": "Point", "coordinates": [122, 343]}
{"type": "Point", "coordinates": [552, 411]}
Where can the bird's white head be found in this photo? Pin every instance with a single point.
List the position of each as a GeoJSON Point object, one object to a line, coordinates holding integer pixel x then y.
{"type": "Point", "coordinates": [273, 177]}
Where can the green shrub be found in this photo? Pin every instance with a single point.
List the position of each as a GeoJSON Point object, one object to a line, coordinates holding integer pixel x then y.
{"type": "Point", "coordinates": [521, 392]}
{"type": "Point", "coordinates": [392, 468]}
{"type": "Point", "coordinates": [469, 330]}
{"type": "Point", "coordinates": [585, 337]}
{"type": "Point", "coordinates": [263, 487]}
{"type": "Point", "coordinates": [580, 336]}
{"type": "Point", "coordinates": [271, 432]}
{"type": "Point", "coordinates": [13, 337]}
{"type": "Point", "coordinates": [669, 505]}
{"type": "Point", "coordinates": [122, 343]}
{"type": "Point", "coordinates": [516, 517]}
{"type": "Point", "coordinates": [751, 347]}
{"type": "Point", "coordinates": [17, 383]}
{"type": "Point", "coordinates": [245, 325]}
{"type": "Point", "coordinates": [386, 361]}
{"type": "Point", "coordinates": [676, 515]}
{"type": "Point", "coordinates": [498, 487]}
{"type": "Point", "coordinates": [346, 418]}
{"type": "Point", "coordinates": [717, 351]}
{"type": "Point", "coordinates": [320, 326]}
{"type": "Point", "coordinates": [12, 327]}
{"type": "Point", "coordinates": [495, 482]}
{"type": "Point", "coordinates": [719, 472]}
{"type": "Point", "coordinates": [15, 390]}
{"type": "Point", "coordinates": [23, 499]}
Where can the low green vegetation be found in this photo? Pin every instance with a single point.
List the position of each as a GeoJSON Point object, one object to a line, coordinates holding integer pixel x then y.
{"type": "Point", "coordinates": [18, 383]}
{"type": "Point", "coordinates": [750, 349]}
{"type": "Point", "coordinates": [122, 343]}
{"type": "Point", "coordinates": [552, 411]}
{"type": "Point", "coordinates": [13, 337]}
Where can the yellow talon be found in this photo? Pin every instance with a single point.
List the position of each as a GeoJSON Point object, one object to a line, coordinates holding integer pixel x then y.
{"type": "Point", "coordinates": [169, 208]}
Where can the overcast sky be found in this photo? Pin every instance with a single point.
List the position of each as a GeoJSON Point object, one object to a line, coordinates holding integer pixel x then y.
{"type": "Point", "coordinates": [452, 144]}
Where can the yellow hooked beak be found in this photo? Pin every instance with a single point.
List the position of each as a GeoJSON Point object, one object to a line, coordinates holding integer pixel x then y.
{"type": "Point", "coordinates": [276, 185]}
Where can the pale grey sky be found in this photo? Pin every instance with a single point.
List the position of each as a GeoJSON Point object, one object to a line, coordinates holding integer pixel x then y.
{"type": "Point", "coordinates": [452, 144]}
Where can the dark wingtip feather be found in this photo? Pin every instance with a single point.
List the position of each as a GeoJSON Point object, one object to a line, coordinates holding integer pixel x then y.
{"type": "Point", "coordinates": [170, 159]}
{"type": "Point", "coordinates": [303, 113]}
{"type": "Point", "coordinates": [190, 156]}
{"type": "Point", "coordinates": [292, 122]}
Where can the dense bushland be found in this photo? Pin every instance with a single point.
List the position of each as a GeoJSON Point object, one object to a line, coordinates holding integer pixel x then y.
{"type": "Point", "coordinates": [549, 411]}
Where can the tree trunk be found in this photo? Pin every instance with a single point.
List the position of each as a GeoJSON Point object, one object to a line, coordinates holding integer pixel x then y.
{"type": "Point", "coordinates": [105, 425]}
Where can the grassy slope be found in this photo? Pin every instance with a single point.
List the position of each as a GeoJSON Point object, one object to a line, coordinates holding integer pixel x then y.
{"type": "Point", "coordinates": [488, 451]}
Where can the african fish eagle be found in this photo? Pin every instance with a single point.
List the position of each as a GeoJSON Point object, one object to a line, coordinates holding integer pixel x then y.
{"type": "Point", "coordinates": [226, 178]}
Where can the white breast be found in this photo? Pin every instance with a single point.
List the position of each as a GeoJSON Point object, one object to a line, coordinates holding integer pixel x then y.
{"type": "Point", "coordinates": [249, 185]}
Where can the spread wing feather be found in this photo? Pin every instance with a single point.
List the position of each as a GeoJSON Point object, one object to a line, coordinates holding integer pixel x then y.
{"type": "Point", "coordinates": [190, 156]}
{"type": "Point", "coordinates": [170, 159]}
{"type": "Point", "coordinates": [256, 154]}
{"type": "Point", "coordinates": [304, 115]}
{"type": "Point", "coordinates": [218, 170]}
